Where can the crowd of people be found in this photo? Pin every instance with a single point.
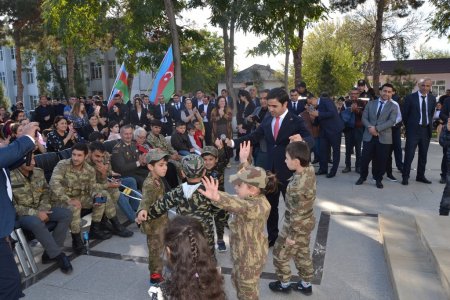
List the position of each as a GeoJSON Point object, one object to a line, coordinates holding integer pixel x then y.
{"type": "Point", "coordinates": [176, 153]}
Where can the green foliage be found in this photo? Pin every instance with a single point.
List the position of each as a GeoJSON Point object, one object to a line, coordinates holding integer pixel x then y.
{"type": "Point", "coordinates": [329, 62]}
{"type": "Point", "coordinates": [4, 100]}
{"type": "Point", "coordinates": [424, 52]}
{"type": "Point", "coordinates": [402, 80]}
{"type": "Point", "coordinates": [440, 22]}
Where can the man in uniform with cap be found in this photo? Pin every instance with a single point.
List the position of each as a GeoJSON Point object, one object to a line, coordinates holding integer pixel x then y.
{"type": "Point", "coordinates": [363, 94]}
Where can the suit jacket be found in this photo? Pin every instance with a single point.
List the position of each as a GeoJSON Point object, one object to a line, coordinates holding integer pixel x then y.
{"type": "Point", "coordinates": [135, 120]}
{"type": "Point", "coordinates": [411, 112]}
{"type": "Point", "coordinates": [176, 113]}
{"type": "Point", "coordinates": [299, 109]}
{"type": "Point", "coordinates": [158, 114]}
{"type": "Point", "coordinates": [11, 157]}
{"type": "Point", "coordinates": [329, 120]}
{"type": "Point", "coordinates": [201, 108]}
{"type": "Point", "coordinates": [276, 149]}
{"type": "Point", "coordinates": [384, 122]}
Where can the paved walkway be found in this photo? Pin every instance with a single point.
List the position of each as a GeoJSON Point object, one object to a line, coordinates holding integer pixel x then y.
{"type": "Point", "coordinates": [348, 257]}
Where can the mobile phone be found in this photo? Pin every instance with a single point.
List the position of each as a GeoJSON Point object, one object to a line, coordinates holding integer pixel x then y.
{"type": "Point", "coordinates": [99, 200]}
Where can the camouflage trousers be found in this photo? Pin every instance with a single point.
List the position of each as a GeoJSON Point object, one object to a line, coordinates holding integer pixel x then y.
{"type": "Point", "coordinates": [154, 231]}
{"type": "Point", "coordinates": [108, 209]}
{"type": "Point", "coordinates": [283, 253]}
{"type": "Point", "coordinates": [245, 278]}
{"type": "Point", "coordinates": [220, 220]}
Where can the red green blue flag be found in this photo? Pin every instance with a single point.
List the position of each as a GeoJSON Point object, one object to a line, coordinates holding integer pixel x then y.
{"type": "Point", "coordinates": [164, 82]}
{"type": "Point", "coordinates": [120, 86]}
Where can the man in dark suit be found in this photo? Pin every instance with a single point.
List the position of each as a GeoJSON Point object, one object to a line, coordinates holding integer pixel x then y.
{"type": "Point", "coordinates": [254, 95]}
{"type": "Point", "coordinates": [378, 118]}
{"type": "Point", "coordinates": [205, 110]}
{"type": "Point", "coordinates": [230, 103]}
{"type": "Point", "coordinates": [197, 99]}
{"type": "Point", "coordinates": [277, 129]}
{"type": "Point", "coordinates": [11, 156]}
{"type": "Point", "coordinates": [176, 108]}
{"type": "Point", "coordinates": [327, 117]}
{"type": "Point", "coordinates": [295, 105]}
{"type": "Point", "coordinates": [44, 113]}
{"type": "Point", "coordinates": [417, 114]}
{"type": "Point", "coordinates": [162, 113]}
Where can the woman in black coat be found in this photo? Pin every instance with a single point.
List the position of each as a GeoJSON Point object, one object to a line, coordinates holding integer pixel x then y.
{"type": "Point", "coordinates": [138, 115]}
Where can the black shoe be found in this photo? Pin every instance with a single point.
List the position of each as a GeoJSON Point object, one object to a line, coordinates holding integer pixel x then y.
{"type": "Point", "coordinates": [315, 161]}
{"type": "Point", "coordinates": [77, 244]}
{"type": "Point", "coordinates": [391, 177]}
{"type": "Point", "coordinates": [358, 170]}
{"type": "Point", "coordinates": [346, 170]}
{"type": "Point", "coordinates": [97, 234]}
{"type": "Point", "coordinates": [236, 158]}
{"type": "Point", "coordinates": [405, 181]}
{"type": "Point", "coordinates": [119, 229]}
{"type": "Point", "coordinates": [47, 260]}
{"type": "Point", "coordinates": [64, 263]}
{"type": "Point", "coordinates": [423, 179]}
{"type": "Point", "coordinates": [331, 175]}
{"type": "Point", "coordinates": [379, 184]}
{"type": "Point", "coordinates": [321, 173]}
{"type": "Point", "coordinates": [298, 286]}
{"type": "Point", "coordinates": [105, 225]}
{"type": "Point", "coordinates": [360, 181]}
{"type": "Point", "coordinates": [277, 287]}
{"type": "Point", "coordinates": [330, 161]}
{"type": "Point", "coordinates": [443, 181]}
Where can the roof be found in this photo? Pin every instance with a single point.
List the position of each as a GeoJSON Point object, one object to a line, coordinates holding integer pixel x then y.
{"type": "Point", "coordinates": [255, 73]}
{"type": "Point", "coordinates": [417, 66]}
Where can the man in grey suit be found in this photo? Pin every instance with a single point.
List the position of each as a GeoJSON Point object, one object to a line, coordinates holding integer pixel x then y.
{"type": "Point", "coordinates": [378, 118]}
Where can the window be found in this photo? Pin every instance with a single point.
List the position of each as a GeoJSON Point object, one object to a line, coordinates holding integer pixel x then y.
{"type": "Point", "coordinates": [30, 77]}
{"type": "Point", "coordinates": [112, 69]}
{"type": "Point", "coordinates": [96, 71]}
{"type": "Point", "coordinates": [62, 71]}
{"type": "Point", "coordinates": [14, 77]}
{"type": "Point", "coordinates": [438, 87]}
{"type": "Point", "coordinates": [1, 54]}
{"type": "Point", "coordinates": [3, 77]}
{"type": "Point", "coordinates": [13, 53]}
{"type": "Point", "coordinates": [33, 101]}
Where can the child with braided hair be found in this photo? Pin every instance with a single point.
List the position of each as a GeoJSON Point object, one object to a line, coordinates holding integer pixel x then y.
{"type": "Point", "coordinates": [193, 271]}
{"type": "Point", "coordinates": [249, 211]}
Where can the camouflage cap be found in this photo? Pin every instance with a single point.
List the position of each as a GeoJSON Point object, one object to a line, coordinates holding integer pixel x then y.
{"type": "Point", "coordinates": [210, 150]}
{"type": "Point", "coordinates": [193, 166]}
{"type": "Point", "coordinates": [251, 175]}
{"type": "Point", "coordinates": [155, 155]}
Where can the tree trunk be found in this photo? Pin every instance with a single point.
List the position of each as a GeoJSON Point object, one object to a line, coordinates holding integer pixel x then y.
{"type": "Point", "coordinates": [71, 71]}
{"type": "Point", "coordinates": [130, 84]}
{"type": "Point", "coordinates": [175, 43]}
{"type": "Point", "coordinates": [297, 53]}
{"type": "Point", "coordinates": [377, 45]}
{"type": "Point", "coordinates": [286, 61]}
{"type": "Point", "coordinates": [228, 45]}
{"type": "Point", "coordinates": [17, 53]}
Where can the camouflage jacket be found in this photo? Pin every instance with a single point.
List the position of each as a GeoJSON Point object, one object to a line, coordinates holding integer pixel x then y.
{"type": "Point", "coordinates": [100, 179]}
{"type": "Point", "coordinates": [32, 194]}
{"type": "Point", "coordinates": [300, 196]}
{"type": "Point", "coordinates": [218, 172]}
{"type": "Point", "coordinates": [152, 190]}
{"type": "Point", "coordinates": [67, 183]}
{"type": "Point", "coordinates": [247, 223]}
{"type": "Point", "coordinates": [160, 142]}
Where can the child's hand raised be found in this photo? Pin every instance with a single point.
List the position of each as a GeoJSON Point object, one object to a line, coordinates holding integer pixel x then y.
{"type": "Point", "coordinates": [218, 143]}
{"type": "Point", "coordinates": [211, 188]}
{"type": "Point", "coordinates": [244, 152]}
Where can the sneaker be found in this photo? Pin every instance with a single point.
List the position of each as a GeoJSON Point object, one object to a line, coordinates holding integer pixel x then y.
{"type": "Point", "coordinates": [391, 177]}
{"type": "Point", "coordinates": [155, 279]}
{"type": "Point", "coordinates": [276, 286]}
{"type": "Point", "coordinates": [221, 247]}
{"type": "Point", "coordinates": [298, 286]}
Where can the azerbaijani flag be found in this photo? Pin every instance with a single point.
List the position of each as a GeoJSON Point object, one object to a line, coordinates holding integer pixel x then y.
{"type": "Point", "coordinates": [120, 86]}
{"type": "Point", "coordinates": [164, 82]}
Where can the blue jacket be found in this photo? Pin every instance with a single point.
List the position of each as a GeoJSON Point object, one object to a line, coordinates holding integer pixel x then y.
{"type": "Point", "coordinates": [329, 120]}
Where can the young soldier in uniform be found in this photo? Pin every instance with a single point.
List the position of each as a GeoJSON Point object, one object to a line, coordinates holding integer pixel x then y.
{"type": "Point", "coordinates": [73, 184]}
{"type": "Point", "coordinates": [31, 197]}
{"type": "Point", "coordinates": [299, 221]}
{"type": "Point", "coordinates": [250, 210]}
{"type": "Point", "coordinates": [154, 189]}
{"type": "Point", "coordinates": [100, 163]}
{"type": "Point", "coordinates": [187, 199]}
{"type": "Point", "coordinates": [215, 164]}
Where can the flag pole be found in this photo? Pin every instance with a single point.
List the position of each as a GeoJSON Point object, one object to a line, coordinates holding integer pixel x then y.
{"type": "Point", "coordinates": [114, 84]}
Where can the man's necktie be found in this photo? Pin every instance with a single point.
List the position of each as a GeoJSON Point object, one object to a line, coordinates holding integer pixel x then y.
{"type": "Point", "coordinates": [276, 128]}
{"type": "Point", "coordinates": [379, 109]}
{"type": "Point", "coordinates": [424, 111]}
{"type": "Point", "coordinates": [295, 106]}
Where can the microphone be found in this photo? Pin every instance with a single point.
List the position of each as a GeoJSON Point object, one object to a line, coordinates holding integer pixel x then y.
{"type": "Point", "coordinates": [223, 137]}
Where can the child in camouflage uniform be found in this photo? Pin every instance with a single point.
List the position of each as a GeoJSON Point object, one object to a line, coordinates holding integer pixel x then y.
{"type": "Point", "coordinates": [187, 199]}
{"type": "Point", "coordinates": [249, 212]}
{"type": "Point", "coordinates": [215, 164]}
{"type": "Point", "coordinates": [153, 189]}
{"type": "Point", "coordinates": [293, 241]}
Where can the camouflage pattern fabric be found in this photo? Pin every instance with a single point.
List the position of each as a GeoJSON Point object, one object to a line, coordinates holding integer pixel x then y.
{"type": "Point", "coordinates": [152, 191]}
{"type": "Point", "coordinates": [67, 183]}
{"type": "Point", "coordinates": [160, 142]}
{"type": "Point", "coordinates": [193, 166]}
{"type": "Point", "coordinates": [299, 221]}
{"type": "Point", "coordinates": [30, 195]}
{"type": "Point", "coordinates": [248, 241]}
{"type": "Point", "coordinates": [251, 175]}
{"type": "Point", "coordinates": [154, 155]}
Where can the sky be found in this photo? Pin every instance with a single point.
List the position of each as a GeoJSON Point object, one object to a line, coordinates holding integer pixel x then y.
{"type": "Point", "coordinates": [198, 18]}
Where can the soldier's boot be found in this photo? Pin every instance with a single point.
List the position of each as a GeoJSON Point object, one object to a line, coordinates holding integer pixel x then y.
{"type": "Point", "coordinates": [119, 229]}
{"type": "Point", "coordinates": [77, 244]}
{"type": "Point", "coordinates": [96, 233]}
{"type": "Point", "coordinates": [105, 225]}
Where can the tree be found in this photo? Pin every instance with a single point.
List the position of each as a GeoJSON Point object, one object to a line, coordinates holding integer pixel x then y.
{"type": "Point", "coordinates": [424, 52]}
{"type": "Point", "coordinates": [170, 12]}
{"type": "Point", "coordinates": [4, 100]}
{"type": "Point", "coordinates": [401, 7]}
{"type": "Point", "coordinates": [23, 24]}
{"type": "Point", "coordinates": [440, 22]}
